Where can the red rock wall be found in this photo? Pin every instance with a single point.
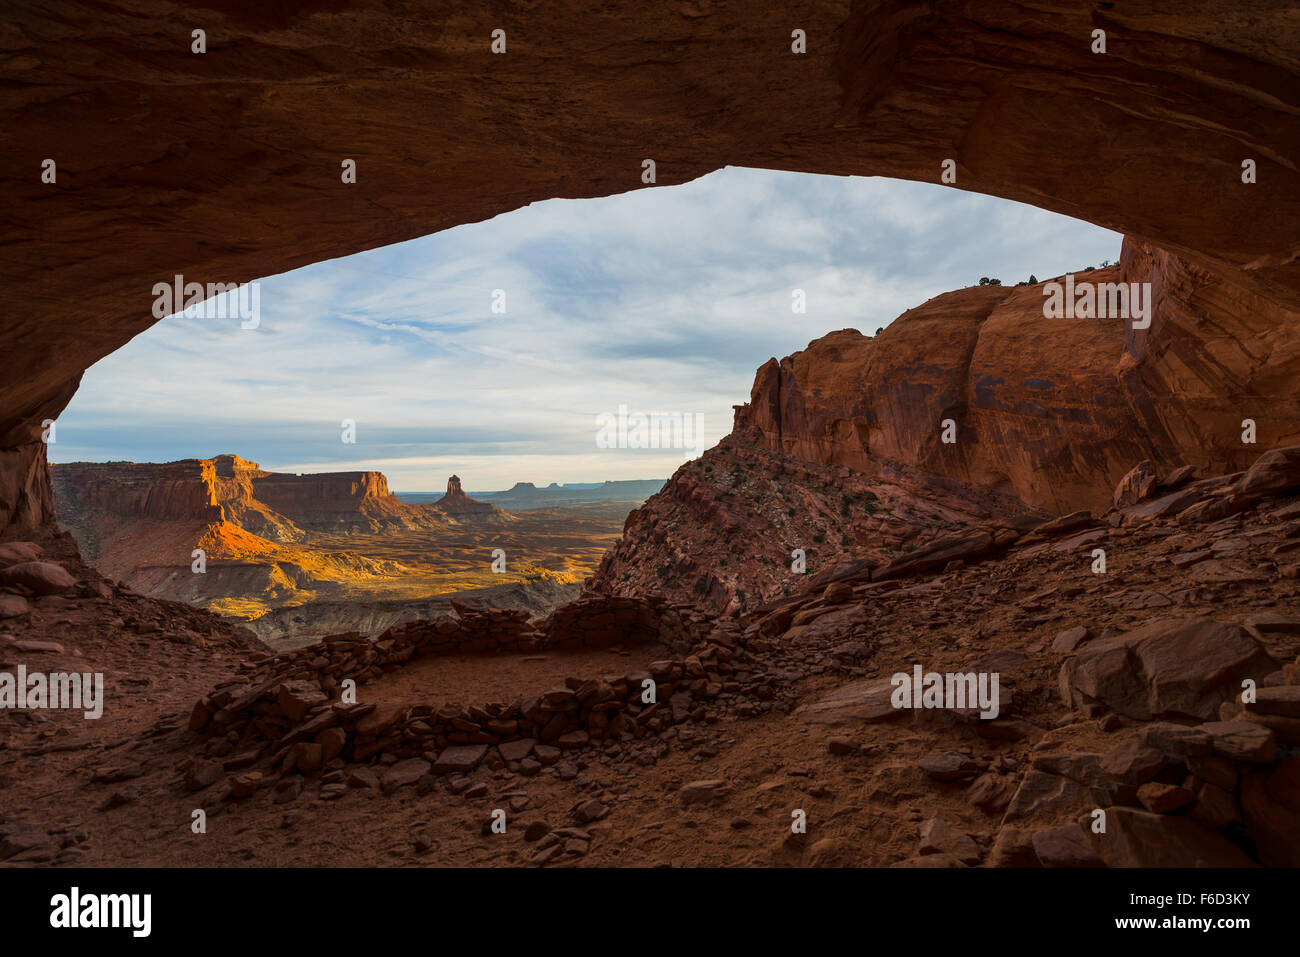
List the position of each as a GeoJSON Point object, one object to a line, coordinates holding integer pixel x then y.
{"type": "Point", "coordinates": [93, 498]}
{"type": "Point", "coordinates": [173, 492]}
{"type": "Point", "coordinates": [324, 494]}
{"type": "Point", "coordinates": [1216, 353]}
{"type": "Point", "coordinates": [1053, 410]}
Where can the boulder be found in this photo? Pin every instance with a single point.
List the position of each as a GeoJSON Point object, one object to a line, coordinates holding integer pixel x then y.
{"type": "Point", "coordinates": [1164, 798]}
{"type": "Point", "coordinates": [44, 578]}
{"type": "Point", "coordinates": [361, 776]}
{"type": "Point", "coordinates": [1176, 740]}
{"type": "Point", "coordinates": [1283, 701]}
{"type": "Point", "coordinates": [296, 698]}
{"type": "Point", "coordinates": [1133, 762]}
{"type": "Point", "coordinates": [1065, 846]}
{"type": "Point", "coordinates": [837, 593]}
{"type": "Point", "coordinates": [1168, 668]}
{"type": "Point", "coordinates": [379, 720]}
{"type": "Point", "coordinates": [1070, 639]}
{"type": "Point", "coordinates": [14, 553]}
{"type": "Point", "coordinates": [245, 785]}
{"type": "Point", "coordinates": [1136, 838]}
{"type": "Point", "coordinates": [11, 606]}
{"type": "Point", "coordinates": [332, 742]}
{"type": "Point", "coordinates": [1273, 472]}
{"type": "Point", "coordinates": [202, 773]}
{"type": "Point", "coordinates": [949, 766]}
{"type": "Point", "coordinates": [1241, 741]}
{"type": "Point", "coordinates": [1270, 805]}
{"type": "Point", "coordinates": [940, 837]}
{"type": "Point", "coordinates": [1013, 847]}
{"type": "Point", "coordinates": [991, 793]}
{"type": "Point", "coordinates": [1042, 792]}
{"type": "Point", "coordinates": [516, 750]}
{"type": "Point", "coordinates": [1215, 807]}
{"type": "Point", "coordinates": [1136, 486]}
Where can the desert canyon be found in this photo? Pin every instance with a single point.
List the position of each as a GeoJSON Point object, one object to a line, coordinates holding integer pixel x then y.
{"type": "Point", "coordinates": [699, 690]}
{"type": "Point", "coordinates": [298, 557]}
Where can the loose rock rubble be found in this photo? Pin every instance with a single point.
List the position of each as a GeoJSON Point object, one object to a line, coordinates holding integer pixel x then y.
{"type": "Point", "coordinates": [1120, 701]}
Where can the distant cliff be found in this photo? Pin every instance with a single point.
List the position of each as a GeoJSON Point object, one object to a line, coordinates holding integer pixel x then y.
{"type": "Point", "coordinates": [457, 505]}
{"type": "Point", "coordinates": [272, 505]}
{"type": "Point", "coordinates": [525, 495]}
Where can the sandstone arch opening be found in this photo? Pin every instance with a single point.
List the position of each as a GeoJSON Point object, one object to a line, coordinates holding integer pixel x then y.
{"type": "Point", "coordinates": [495, 351]}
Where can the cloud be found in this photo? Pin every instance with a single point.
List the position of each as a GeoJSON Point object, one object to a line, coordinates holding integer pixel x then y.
{"type": "Point", "coordinates": [663, 299]}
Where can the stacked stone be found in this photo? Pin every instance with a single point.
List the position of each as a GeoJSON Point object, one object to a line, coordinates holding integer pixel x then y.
{"type": "Point", "coordinates": [476, 631]}
{"type": "Point", "coordinates": [289, 711]}
{"type": "Point", "coordinates": [598, 621]}
{"type": "Point", "coordinates": [324, 665]}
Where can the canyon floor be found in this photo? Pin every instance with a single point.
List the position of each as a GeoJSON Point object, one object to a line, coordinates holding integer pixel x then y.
{"type": "Point", "coordinates": [764, 716]}
{"type": "Point", "coordinates": [549, 552]}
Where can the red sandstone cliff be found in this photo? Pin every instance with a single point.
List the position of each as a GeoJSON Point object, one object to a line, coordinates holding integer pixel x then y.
{"type": "Point", "coordinates": [1052, 410]}
{"type": "Point", "coordinates": [276, 506]}
{"type": "Point", "coordinates": [1049, 413]}
{"type": "Point", "coordinates": [145, 525]}
{"type": "Point", "coordinates": [141, 522]}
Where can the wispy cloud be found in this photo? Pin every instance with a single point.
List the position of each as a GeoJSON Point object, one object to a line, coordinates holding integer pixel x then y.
{"type": "Point", "coordinates": [661, 299]}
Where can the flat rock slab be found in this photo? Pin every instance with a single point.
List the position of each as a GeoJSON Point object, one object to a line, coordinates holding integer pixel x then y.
{"type": "Point", "coordinates": [1241, 741]}
{"type": "Point", "coordinates": [836, 620]}
{"type": "Point", "coordinates": [703, 792]}
{"type": "Point", "coordinates": [403, 773]}
{"type": "Point", "coordinates": [1283, 701]}
{"type": "Point", "coordinates": [1041, 792]}
{"type": "Point", "coordinates": [949, 766]}
{"type": "Point", "coordinates": [867, 701]}
{"type": "Point", "coordinates": [1070, 639]}
{"type": "Point", "coordinates": [29, 645]}
{"type": "Point", "coordinates": [1174, 667]}
{"type": "Point", "coordinates": [460, 757]}
{"type": "Point", "coordinates": [517, 750]}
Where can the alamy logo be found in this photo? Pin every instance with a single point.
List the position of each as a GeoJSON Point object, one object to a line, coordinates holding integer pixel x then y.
{"type": "Point", "coordinates": [72, 910]}
{"type": "Point", "coordinates": [952, 690]}
{"type": "Point", "coordinates": [216, 300]}
{"type": "Point", "coordinates": [650, 430]}
{"type": "Point", "coordinates": [1105, 300]}
{"type": "Point", "coordinates": [57, 690]}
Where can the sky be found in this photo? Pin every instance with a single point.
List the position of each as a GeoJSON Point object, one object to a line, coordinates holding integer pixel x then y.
{"type": "Point", "coordinates": [663, 300]}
